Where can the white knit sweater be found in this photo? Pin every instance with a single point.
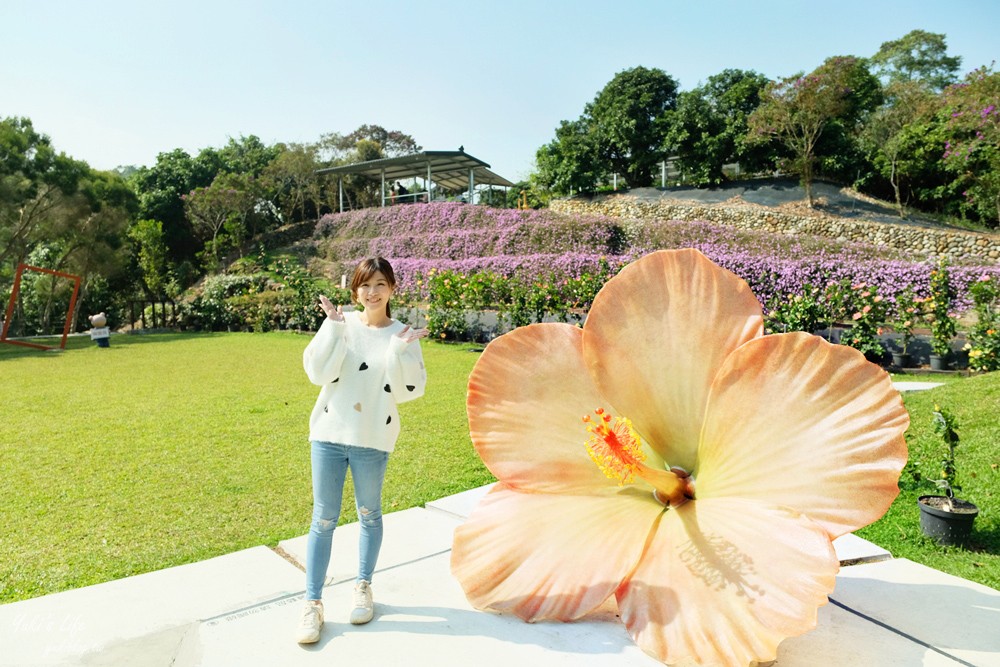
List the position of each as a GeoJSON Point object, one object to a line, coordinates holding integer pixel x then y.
{"type": "Point", "coordinates": [364, 373]}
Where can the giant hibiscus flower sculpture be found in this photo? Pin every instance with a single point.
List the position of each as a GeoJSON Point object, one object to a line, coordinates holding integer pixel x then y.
{"type": "Point", "coordinates": [706, 488]}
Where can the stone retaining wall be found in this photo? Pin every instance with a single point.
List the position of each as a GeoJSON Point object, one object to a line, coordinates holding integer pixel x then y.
{"type": "Point", "coordinates": [954, 245]}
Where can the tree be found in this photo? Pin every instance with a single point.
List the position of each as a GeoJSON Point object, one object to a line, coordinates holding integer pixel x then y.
{"type": "Point", "coordinates": [223, 205]}
{"type": "Point", "coordinates": [34, 182]}
{"type": "Point", "coordinates": [151, 255]}
{"type": "Point", "coordinates": [885, 134]}
{"type": "Point", "coordinates": [393, 143]}
{"type": "Point", "coordinates": [839, 153]}
{"type": "Point", "coordinates": [160, 189]}
{"type": "Point", "coordinates": [292, 180]}
{"type": "Point", "coordinates": [335, 148]}
{"type": "Point", "coordinates": [628, 122]}
{"type": "Point", "coordinates": [368, 142]}
{"type": "Point", "coordinates": [709, 126]}
{"type": "Point", "coordinates": [973, 148]}
{"type": "Point", "coordinates": [569, 162]}
{"type": "Point", "coordinates": [797, 110]}
{"type": "Point", "coordinates": [246, 155]}
{"type": "Point", "coordinates": [93, 233]}
{"type": "Point", "coordinates": [918, 56]}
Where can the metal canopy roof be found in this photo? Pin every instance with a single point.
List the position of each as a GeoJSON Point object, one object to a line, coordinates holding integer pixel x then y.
{"type": "Point", "coordinates": [449, 169]}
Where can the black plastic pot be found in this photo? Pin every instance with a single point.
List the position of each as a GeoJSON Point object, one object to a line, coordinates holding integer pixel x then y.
{"type": "Point", "coordinates": [939, 362]}
{"type": "Point", "coordinates": [947, 527]}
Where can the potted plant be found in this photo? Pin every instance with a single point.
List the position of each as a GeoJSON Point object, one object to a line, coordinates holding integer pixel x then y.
{"type": "Point", "coordinates": [984, 337]}
{"type": "Point", "coordinates": [869, 310]}
{"type": "Point", "coordinates": [906, 313]}
{"type": "Point", "coordinates": [939, 316]}
{"type": "Point", "coordinates": [946, 518]}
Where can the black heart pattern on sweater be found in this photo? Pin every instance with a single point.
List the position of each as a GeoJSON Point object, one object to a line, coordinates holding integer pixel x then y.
{"type": "Point", "coordinates": [363, 366]}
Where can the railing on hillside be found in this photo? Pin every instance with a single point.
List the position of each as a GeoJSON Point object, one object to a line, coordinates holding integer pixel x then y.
{"type": "Point", "coordinates": [163, 319]}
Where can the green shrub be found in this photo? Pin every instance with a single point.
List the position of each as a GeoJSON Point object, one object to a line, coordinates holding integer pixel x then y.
{"type": "Point", "coordinates": [984, 337]}
{"type": "Point", "coordinates": [796, 312]}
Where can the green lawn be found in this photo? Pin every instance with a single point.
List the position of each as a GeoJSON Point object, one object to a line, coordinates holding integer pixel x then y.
{"type": "Point", "coordinates": [168, 449]}
{"type": "Point", "coordinates": [975, 402]}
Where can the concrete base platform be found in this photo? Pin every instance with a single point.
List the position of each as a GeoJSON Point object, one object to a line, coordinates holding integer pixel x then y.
{"type": "Point", "coordinates": [915, 386]}
{"type": "Point", "coordinates": [242, 609]}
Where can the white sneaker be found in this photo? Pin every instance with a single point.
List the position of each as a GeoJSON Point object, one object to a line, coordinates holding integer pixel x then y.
{"type": "Point", "coordinates": [364, 606]}
{"type": "Point", "coordinates": [311, 622]}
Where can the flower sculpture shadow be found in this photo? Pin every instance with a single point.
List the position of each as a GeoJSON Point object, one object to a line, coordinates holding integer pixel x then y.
{"type": "Point", "coordinates": [705, 491]}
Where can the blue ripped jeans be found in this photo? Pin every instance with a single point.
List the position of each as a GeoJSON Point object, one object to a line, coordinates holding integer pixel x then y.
{"type": "Point", "coordinates": [330, 463]}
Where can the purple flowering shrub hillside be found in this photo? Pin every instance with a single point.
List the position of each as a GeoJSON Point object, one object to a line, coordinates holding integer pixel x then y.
{"type": "Point", "coordinates": [546, 246]}
{"type": "Point", "coordinates": [458, 232]}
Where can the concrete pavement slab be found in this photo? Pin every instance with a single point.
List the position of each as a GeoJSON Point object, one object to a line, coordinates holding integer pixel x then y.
{"type": "Point", "coordinates": [408, 536]}
{"type": "Point", "coordinates": [949, 614]}
{"type": "Point", "coordinates": [423, 619]}
{"type": "Point", "coordinates": [842, 637]}
{"type": "Point", "coordinates": [154, 611]}
{"type": "Point", "coordinates": [460, 504]}
{"type": "Point", "coordinates": [243, 609]}
{"type": "Point", "coordinates": [902, 385]}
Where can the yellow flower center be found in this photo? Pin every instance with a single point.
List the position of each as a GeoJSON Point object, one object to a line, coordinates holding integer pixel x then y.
{"type": "Point", "coordinates": [616, 448]}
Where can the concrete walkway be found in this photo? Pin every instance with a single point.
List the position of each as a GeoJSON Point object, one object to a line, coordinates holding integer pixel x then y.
{"type": "Point", "coordinates": [242, 609]}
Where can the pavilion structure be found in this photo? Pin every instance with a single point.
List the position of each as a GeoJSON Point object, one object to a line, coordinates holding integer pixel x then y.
{"type": "Point", "coordinates": [454, 171]}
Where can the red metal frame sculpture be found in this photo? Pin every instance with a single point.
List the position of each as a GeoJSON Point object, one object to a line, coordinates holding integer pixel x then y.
{"type": "Point", "coordinates": [21, 268]}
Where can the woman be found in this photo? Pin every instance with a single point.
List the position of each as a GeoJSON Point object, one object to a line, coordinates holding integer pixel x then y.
{"type": "Point", "coordinates": [366, 363]}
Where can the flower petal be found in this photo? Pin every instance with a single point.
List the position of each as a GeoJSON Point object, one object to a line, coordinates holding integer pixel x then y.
{"type": "Point", "coordinates": [723, 581]}
{"type": "Point", "coordinates": [796, 421]}
{"type": "Point", "coordinates": [527, 396]}
{"type": "Point", "coordinates": [655, 337]}
{"type": "Point", "coordinates": [550, 556]}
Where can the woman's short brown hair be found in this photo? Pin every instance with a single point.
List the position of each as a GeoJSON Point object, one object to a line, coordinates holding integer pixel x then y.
{"type": "Point", "coordinates": [368, 268]}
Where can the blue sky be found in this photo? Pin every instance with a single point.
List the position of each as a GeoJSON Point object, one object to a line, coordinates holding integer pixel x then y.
{"type": "Point", "coordinates": [115, 82]}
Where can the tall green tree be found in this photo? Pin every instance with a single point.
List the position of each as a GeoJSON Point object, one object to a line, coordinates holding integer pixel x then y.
{"type": "Point", "coordinates": [393, 143]}
{"type": "Point", "coordinates": [839, 152]}
{"type": "Point", "coordinates": [798, 110]}
{"type": "Point", "coordinates": [886, 135]}
{"type": "Point", "coordinates": [335, 148]}
{"type": "Point", "coordinates": [368, 142]}
{"type": "Point", "coordinates": [160, 189]}
{"type": "Point", "coordinates": [92, 242]}
{"type": "Point", "coordinates": [220, 212]}
{"type": "Point", "coordinates": [972, 151]}
{"type": "Point", "coordinates": [246, 155]}
{"type": "Point", "coordinates": [150, 251]}
{"type": "Point", "coordinates": [35, 183]}
{"type": "Point", "coordinates": [917, 56]}
{"type": "Point", "coordinates": [292, 181]}
{"type": "Point", "coordinates": [709, 128]}
{"type": "Point", "coordinates": [569, 162]}
{"type": "Point", "coordinates": [628, 122]}
{"type": "Point", "coordinates": [60, 214]}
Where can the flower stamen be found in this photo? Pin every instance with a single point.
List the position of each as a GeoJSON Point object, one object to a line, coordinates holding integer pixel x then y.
{"type": "Point", "coordinates": [616, 448]}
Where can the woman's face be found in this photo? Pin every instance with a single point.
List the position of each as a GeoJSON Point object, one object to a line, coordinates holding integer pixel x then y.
{"type": "Point", "coordinates": [373, 293]}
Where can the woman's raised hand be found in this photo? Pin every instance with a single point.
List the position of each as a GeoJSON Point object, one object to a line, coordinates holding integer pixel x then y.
{"type": "Point", "coordinates": [410, 335]}
{"type": "Point", "coordinates": [335, 313]}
